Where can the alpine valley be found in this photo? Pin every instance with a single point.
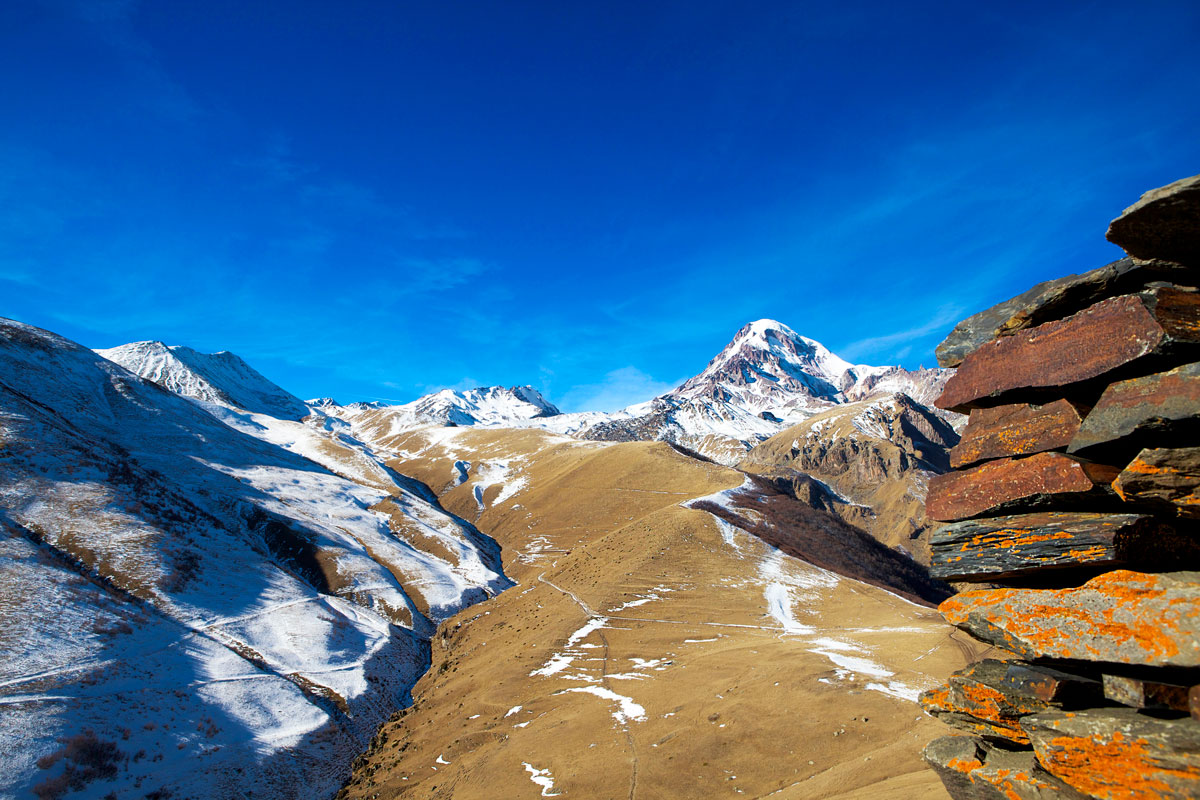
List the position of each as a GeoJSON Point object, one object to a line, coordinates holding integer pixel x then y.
{"type": "Point", "coordinates": [211, 588]}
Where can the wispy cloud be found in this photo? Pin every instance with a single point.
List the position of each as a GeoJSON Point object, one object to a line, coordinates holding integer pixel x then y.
{"type": "Point", "coordinates": [619, 388]}
{"type": "Point", "coordinates": [899, 344]}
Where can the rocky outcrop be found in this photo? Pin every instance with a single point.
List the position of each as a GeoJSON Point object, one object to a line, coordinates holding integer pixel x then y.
{"type": "Point", "coordinates": [1163, 224]}
{"type": "Point", "coordinates": [1076, 494]}
{"type": "Point", "coordinates": [876, 457]}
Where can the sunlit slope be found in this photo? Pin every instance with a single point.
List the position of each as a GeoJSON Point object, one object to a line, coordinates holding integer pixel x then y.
{"type": "Point", "coordinates": [650, 650]}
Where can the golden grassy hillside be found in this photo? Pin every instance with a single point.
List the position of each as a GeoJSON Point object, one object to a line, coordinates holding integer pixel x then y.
{"type": "Point", "coordinates": [650, 650]}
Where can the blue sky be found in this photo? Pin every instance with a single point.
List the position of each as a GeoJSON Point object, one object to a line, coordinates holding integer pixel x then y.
{"type": "Point", "coordinates": [373, 200]}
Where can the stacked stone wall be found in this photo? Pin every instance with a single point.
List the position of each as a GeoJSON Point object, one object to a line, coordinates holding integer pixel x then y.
{"type": "Point", "coordinates": [1072, 525]}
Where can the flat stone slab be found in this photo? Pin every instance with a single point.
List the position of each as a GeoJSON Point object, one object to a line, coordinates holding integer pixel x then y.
{"type": "Point", "coordinates": [1025, 544]}
{"type": "Point", "coordinates": [1051, 685]}
{"type": "Point", "coordinates": [1142, 693]}
{"type": "Point", "coordinates": [972, 769]}
{"type": "Point", "coordinates": [1164, 477]}
{"type": "Point", "coordinates": [1120, 617]}
{"type": "Point", "coordinates": [1119, 753]}
{"type": "Point", "coordinates": [1052, 300]}
{"type": "Point", "coordinates": [1015, 484]}
{"type": "Point", "coordinates": [1102, 343]}
{"type": "Point", "coordinates": [1015, 430]}
{"type": "Point", "coordinates": [1164, 223]}
{"type": "Point", "coordinates": [1154, 406]}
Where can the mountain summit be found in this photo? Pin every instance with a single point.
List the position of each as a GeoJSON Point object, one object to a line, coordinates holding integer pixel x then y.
{"type": "Point", "coordinates": [222, 378]}
{"type": "Point", "coordinates": [769, 365]}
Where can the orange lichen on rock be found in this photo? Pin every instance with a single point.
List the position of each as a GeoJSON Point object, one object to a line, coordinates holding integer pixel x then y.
{"type": "Point", "coordinates": [1121, 616]}
{"type": "Point", "coordinates": [1119, 754]}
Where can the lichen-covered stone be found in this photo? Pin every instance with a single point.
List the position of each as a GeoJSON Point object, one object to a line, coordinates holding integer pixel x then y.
{"type": "Point", "coordinates": [1164, 223]}
{"type": "Point", "coordinates": [972, 769]}
{"type": "Point", "coordinates": [1164, 477]}
{"type": "Point", "coordinates": [1072, 356]}
{"type": "Point", "coordinates": [1015, 430]}
{"type": "Point", "coordinates": [1052, 300]}
{"type": "Point", "coordinates": [1118, 753]}
{"type": "Point", "coordinates": [1121, 617]}
{"type": "Point", "coordinates": [1166, 404]}
{"type": "Point", "coordinates": [1043, 480]}
{"type": "Point", "coordinates": [1025, 544]}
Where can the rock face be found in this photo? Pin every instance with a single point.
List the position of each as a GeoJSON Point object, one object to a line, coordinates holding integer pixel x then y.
{"type": "Point", "coordinates": [1030, 544]}
{"type": "Point", "coordinates": [1103, 368]}
{"type": "Point", "coordinates": [1110, 335]}
{"type": "Point", "coordinates": [1020, 429]}
{"type": "Point", "coordinates": [1120, 617]}
{"type": "Point", "coordinates": [1164, 224]}
{"type": "Point", "coordinates": [1050, 301]}
{"type": "Point", "coordinates": [975, 770]}
{"type": "Point", "coordinates": [1155, 408]}
{"type": "Point", "coordinates": [1164, 477]}
{"type": "Point", "coordinates": [1045, 479]}
{"type": "Point", "coordinates": [1118, 752]}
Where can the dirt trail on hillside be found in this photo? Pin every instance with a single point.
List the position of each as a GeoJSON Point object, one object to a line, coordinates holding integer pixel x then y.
{"type": "Point", "coordinates": [649, 650]}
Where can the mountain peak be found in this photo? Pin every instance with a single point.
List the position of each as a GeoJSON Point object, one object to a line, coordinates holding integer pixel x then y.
{"type": "Point", "coordinates": [767, 362]}
{"type": "Point", "coordinates": [223, 377]}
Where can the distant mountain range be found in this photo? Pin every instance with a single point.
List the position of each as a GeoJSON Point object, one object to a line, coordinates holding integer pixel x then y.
{"type": "Point", "coordinates": [765, 380]}
{"type": "Point", "coordinates": [192, 542]}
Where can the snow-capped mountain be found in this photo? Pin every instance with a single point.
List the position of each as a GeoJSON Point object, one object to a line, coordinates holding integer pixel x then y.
{"type": "Point", "coordinates": [201, 598]}
{"type": "Point", "coordinates": [486, 405]}
{"type": "Point", "coordinates": [221, 378]}
{"type": "Point", "coordinates": [765, 380]}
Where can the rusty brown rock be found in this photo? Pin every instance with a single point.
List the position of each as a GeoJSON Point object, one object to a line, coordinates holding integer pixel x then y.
{"type": "Point", "coordinates": [972, 769]}
{"type": "Point", "coordinates": [1150, 408]}
{"type": "Point", "coordinates": [1164, 223]}
{"type": "Point", "coordinates": [1025, 544]}
{"type": "Point", "coordinates": [1142, 693]}
{"type": "Point", "coordinates": [1051, 685]}
{"type": "Point", "coordinates": [1119, 753]}
{"type": "Point", "coordinates": [1165, 477]}
{"type": "Point", "coordinates": [1053, 300]}
{"type": "Point", "coordinates": [1012, 484]}
{"type": "Point", "coordinates": [1015, 430]}
{"type": "Point", "coordinates": [1121, 617]}
{"type": "Point", "coordinates": [1070, 357]}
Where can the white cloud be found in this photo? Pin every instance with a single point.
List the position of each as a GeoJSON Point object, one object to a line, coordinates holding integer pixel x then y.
{"type": "Point", "coordinates": [943, 320]}
{"type": "Point", "coordinates": [619, 388]}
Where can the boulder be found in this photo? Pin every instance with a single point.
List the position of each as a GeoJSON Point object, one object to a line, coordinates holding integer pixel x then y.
{"type": "Point", "coordinates": [1026, 544]}
{"type": "Point", "coordinates": [1077, 356]}
{"type": "Point", "coordinates": [1165, 477]}
{"type": "Point", "coordinates": [972, 769]}
{"type": "Point", "coordinates": [1164, 224]}
{"type": "Point", "coordinates": [1044, 480]}
{"type": "Point", "coordinates": [1052, 300]}
{"type": "Point", "coordinates": [1119, 753]}
{"type": "Point", "coordinates": [1120, 617]}
{"type": "Point", "coordinates": [1153, 407]}
{"type": "Point", "coordinates": [1015, 430]}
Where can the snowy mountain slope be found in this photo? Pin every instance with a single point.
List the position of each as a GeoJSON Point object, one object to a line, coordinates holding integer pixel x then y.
{"type": "Point", "coordinates": [487, 405]}
{"type": "Point", "coordinates": [211, 611]}
{"type": "Point", "coordinates": [222, 377]}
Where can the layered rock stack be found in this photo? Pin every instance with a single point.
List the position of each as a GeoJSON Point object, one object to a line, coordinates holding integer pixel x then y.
{"type": "Point", "coordinates": [1075, 499]}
